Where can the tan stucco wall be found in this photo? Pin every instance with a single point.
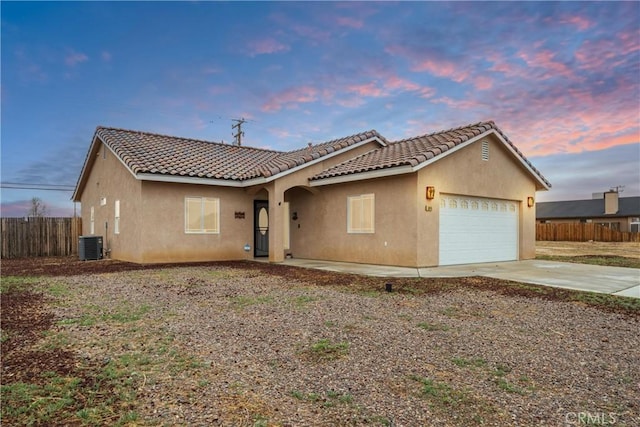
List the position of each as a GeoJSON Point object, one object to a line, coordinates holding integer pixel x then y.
{"type": "Point", "coordinates": [108, 178]}
{"type": "Point", "coordinates": [163, 225]}
{"type": "Point", "coordinates": [321, 229]}
{"type": "Point", "coordinates": [465, 173]}
{"type": "Point", "coordinates": [153, 213]}
{"type": "Point", "coordinates": [406, 224]}
{"type": "Point", "coordinates": [278, 188]}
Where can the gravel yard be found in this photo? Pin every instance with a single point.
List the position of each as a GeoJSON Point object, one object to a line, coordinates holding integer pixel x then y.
{"type": "Point", "coordinates": [233, 344]}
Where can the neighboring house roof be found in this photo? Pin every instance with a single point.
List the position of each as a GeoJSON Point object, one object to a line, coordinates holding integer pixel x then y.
{"type": "Point", "coordinates": [409, 155]}
{"type": "Point", "coordinates": [594, 208]}
{"type": "Point", "coordinates": [155, 157]}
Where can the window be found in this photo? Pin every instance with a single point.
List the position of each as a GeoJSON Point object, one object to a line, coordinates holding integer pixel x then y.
{"type": "Point", "coordinates": [202, 215]}
{"type": "Point", "coordinates": [116, 222]}
{"type": "Point", "coordinates": [360, 213]}
{"type": "Point", "coordinates": [92, 223]}
{"type": "Point", "coordinates": [103, 201]}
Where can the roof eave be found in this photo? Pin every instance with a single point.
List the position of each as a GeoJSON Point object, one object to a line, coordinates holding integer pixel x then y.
{"type": "Point", "coordinates": [359, 176]}
{"type": "Point", "coordinates": [82, 178]}
{"type": "Point", "coordinates": [379, 173]}
{"type": "Point", "coordinates": [323, 158]}
{"type": "Point", "coordinates": [189, 180]}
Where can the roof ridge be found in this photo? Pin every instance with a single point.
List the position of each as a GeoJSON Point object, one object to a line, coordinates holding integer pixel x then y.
{"type": "Point", "coordinates": [98, 128]}
{"type": "Point", "coordinates": [491, 124]}
{"type": "Point", "coordinates": [370, 131]}
{"type": "Point", "coordinates": [588, 200]}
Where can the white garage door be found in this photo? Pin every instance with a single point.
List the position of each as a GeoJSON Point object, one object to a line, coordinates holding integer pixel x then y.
{"type": "Point", "coordinates": [475, 230]}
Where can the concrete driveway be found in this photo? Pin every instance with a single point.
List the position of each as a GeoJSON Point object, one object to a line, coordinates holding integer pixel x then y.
{"type": "Point", "coordinates": [582, 277]}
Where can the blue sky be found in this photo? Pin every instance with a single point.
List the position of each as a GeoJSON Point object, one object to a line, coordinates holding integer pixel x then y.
{"type": "Point", "coordinates": [562, 80]}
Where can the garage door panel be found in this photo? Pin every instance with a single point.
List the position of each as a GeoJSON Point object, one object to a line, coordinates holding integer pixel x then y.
{"type": "Point", "coordinates": [474, 230]}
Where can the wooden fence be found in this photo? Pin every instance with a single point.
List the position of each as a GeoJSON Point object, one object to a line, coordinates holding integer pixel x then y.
{"type": "Point", "coordinates": [583, 232]}
{"type": "Point", "coordinates": [33, 237]}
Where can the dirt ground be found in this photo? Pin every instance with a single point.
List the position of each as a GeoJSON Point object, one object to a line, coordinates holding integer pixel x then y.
{"type": "Point", "coordinates": [27, 315]}
{"type": "Point", "coordinates": [623, 249]}
{"type": "Point", "coordinates": [69, 266]}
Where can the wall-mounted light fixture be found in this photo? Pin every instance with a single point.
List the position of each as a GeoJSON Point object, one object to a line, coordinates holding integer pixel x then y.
{"type": "Point", "coordinates": [530, 202]}
{"type": "Point", "coordinates": [431, 192]}
{"type": "Point", "coordinates": [294, 216]}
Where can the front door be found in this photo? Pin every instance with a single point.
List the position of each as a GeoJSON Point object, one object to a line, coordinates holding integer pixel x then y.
{"type": "Point", "coordinates": [261, 228]}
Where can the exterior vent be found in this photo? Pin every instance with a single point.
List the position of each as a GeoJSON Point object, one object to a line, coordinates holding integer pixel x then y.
{"type": "Point", "coordinates": [485, 150]}
{"type": "Point", "coordinates": [90, 248]}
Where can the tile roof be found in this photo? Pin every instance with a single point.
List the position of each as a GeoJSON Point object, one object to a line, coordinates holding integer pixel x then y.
{"type": "Point", "coordinates": [150, 153]}
{"type": "Point", "coordinates": [591, 208]}
{"type": "Point", "coordinates": [417, 150]}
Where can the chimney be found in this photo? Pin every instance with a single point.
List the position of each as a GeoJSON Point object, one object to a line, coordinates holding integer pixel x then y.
{"type": "Point", "coordinates": [610, 202]}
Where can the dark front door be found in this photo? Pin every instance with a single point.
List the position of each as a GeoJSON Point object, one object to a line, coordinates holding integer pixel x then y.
{"type": "Point", "coordinates": [261, 228]}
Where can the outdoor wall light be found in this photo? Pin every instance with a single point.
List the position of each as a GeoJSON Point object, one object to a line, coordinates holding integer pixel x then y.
{"type": "Point", "coordinates": [530, 202]}
{"type": "Point", "coordinates": [431, 192]}
{"type": "Point", "coordinates": [294, 216]}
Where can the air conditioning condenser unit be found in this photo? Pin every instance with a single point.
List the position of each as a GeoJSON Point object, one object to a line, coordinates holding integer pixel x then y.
{"type": "Point", "coordinates": [90, 248]}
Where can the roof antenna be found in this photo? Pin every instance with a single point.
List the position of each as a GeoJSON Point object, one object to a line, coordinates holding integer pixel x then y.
{"type": "Point", "coordinates": [617, 189]}
{"type": "Point", "coordinates": [238, 136]}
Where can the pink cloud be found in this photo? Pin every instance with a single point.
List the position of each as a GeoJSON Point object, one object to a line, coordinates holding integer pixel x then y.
{"type": "Point", "coordinates": [441, 68]}
{"type": "Point", "coordinates": [578, 21]}
{"type": "Point", "coordinates": [502, 65]}
{"type": "Point", "coordinates": [344, 21]}
{"type": "Point", "coordinates": [483, 83]}
{"type": "Point", "coordinates": [266, 46]}
{"type": "Point", "coordinates": [458, 104]}
{"type": "Point", "coordinates": [369, 89]}
{"type": "Point", "coordinates": [290, 98]}
{"type": "Point", "coordinates": [75, 58]}
{"type": "Point", "coordinates": [607, 54]}
{"type": "Point", "coordinates": [351, 102]}
{"type": "Point", "coordinates": [395, 82]}
{"type": "Point", "coordinates": [19, 209]}
{"type": "Point", "coordinates": [546, 59]}
{"type": "Point", "coordinates": [284, 133]}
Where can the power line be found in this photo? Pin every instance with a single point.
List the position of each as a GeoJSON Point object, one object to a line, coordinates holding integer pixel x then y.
{"type": "Point", "coordinates": [27, 186]}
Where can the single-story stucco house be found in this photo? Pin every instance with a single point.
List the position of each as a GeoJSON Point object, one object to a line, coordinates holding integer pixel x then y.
{"type": "Point", "coordinates": [607, 209]}
{"type": "Point", "coordinates": [463, 195]}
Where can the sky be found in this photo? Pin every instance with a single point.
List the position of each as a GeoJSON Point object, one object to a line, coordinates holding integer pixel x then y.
{"type": "Point", "coordinates": [561, 79]}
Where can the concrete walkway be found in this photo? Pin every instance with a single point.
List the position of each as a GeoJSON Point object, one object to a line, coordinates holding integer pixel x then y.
{"type": "Point", "coordinates": [582, 277]}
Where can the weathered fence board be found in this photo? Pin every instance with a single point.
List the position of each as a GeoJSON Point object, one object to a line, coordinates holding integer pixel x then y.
{"type": "Point", "coordinates": [33, 237]}
{"type": "Point", "coordinates": [582, 232]}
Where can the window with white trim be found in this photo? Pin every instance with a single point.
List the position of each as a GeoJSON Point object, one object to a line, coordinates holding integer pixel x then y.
{"type": "Point", "coordinates": [92, 223]}
{"type": "Point", "coordinates": [116, 222]}
{"type": "Point", "coordinates": [201, 215]}
{"type": "Point", "coordinates": [361, 213]}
